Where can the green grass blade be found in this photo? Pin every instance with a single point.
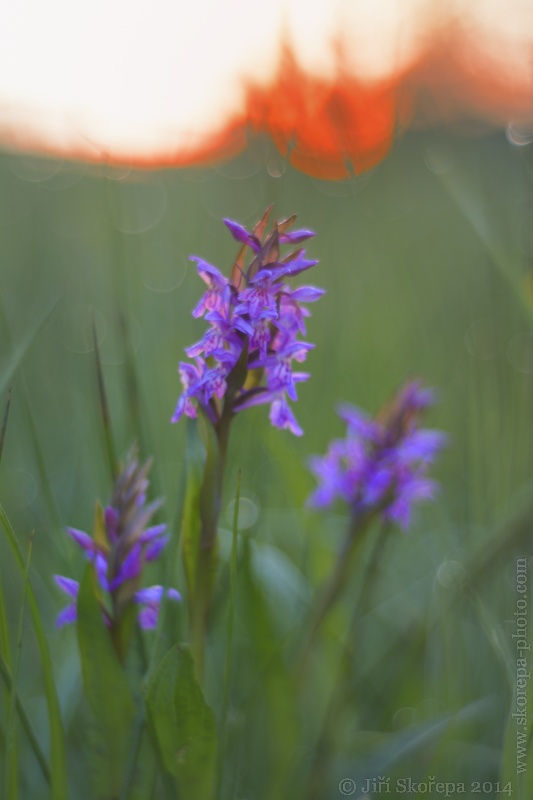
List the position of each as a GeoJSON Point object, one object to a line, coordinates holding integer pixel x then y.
{"type": "Point", "coordinates": [57, 736]}
{"type": "Point", "coordinates": [104, 409]}
{"type": "Point", "coordinates": [4, 632]}
{"type": "Point", "coordinates": [10, 772]}
{"type": "Point", "coordinates": [11, 757]}
{"type": "Point", "coordinates": [20, 350]}
{"type": "Point", "coordinates": [5, 673]}
{"type": "Point", "coordinates": [40, 458]}
{"type": "Point", "coordinates": [136, 783]}
{"type": "Point", "coordinates": [274, 684]}
{"type": "Point", "coordinates": [470, 203]}
{"type": "Point", "coordinates": [4, 423]}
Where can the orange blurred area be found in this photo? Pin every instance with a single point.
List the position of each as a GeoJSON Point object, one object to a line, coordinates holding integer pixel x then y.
{"type": "Point", "coordinates": [333, 83]}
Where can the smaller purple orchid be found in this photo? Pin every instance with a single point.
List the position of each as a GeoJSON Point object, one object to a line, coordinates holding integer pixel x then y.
{"type": "Point", "coordinates": [254, 314]}
{"type": "Point", "coordinates": [381, 466]}
{"type": "Point", "coordinates": [119, 548]}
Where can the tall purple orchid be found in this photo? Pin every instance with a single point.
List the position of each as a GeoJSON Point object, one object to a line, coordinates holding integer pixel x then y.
{"type": "Point", "coordinates": [380, 469]}
{"type": "Point", "coordinates": [245, 358]}
{"type": "Point", "coordinates": [122, 543]}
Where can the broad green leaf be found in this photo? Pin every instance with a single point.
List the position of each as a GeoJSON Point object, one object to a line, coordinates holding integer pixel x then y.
{"type": "Point", "coordinates": [57, 736]}
{"type": "Point", "coordinates": [273, 680]}
{"type": "Point", "coordinates": [183, 724]}
{"type": "Point", "coordinates": [141, 767]}
{"type": "Point", "coordinates": [106, 689]}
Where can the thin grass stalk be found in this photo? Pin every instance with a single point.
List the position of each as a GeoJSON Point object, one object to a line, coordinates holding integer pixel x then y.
{"type": "Point", "coordinates": [104, 409]}
{"type": "Point", "coordinates": [39, 455]}
{"type": "Point", "coordinates": [11, 757]}
{"type": "Point", "coordinates": [20, 349]}
{"type": "Point", "coordinates": [57, 737]}
{"type": "Point", "coordinates": [25, 721]}
{"type": "Point", "coordinates": [229, 637]}
{"type": "Point", "coordinates": [122, 288]}
{"type": "Point", "coordinates": [4, 422]}
{"type": "Point", "coordinates": [11, 770]}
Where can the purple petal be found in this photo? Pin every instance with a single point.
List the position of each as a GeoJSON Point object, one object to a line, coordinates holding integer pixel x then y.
{"type": "Point", "coordinates": [208, 273]}
{"type": "Point", "coordinates": [240, 234]}
{"type": "Point", "coordinates": [296, 236]}
{"type": "Point", "coordinates": [111, 521]}
{"type": "Point", "coordinates": [376, 484]}
{"type": "Point", "coordinates": [307, 294]}
{"type": "Point", "coordinates": [416, 397]}
{"type": "Point", "coordinates": [101, 566]}
{"type": "Point", "coordinates": [148, 616]}
{"type": "Point", "coordinates": [130, 567]}
{"type": "Point", "coordinates": [359, 423]}
{"type": "Point", "coordinates": [421, 445]}
{"type": "Point", "coordinates": [155, 549]}
{"type": "Point", "coordinates": [67, 585]}
{"type": "Point", "coordinates": [281, 416]}
{"type": "Point", "coordinates": [68, 615]}
{"type": "Point", "coordinates": [297, 265]}
{"type": "Point", "coordinates": [83, 539]}
{"type": "Point", "coordinates": [255, 399]}
{"type": "Point", "coordinates": [154, 594]}
{"type": "Point", "coordinates": [399, 512]}
{"type": "Point", "coordinates": [152, 533]}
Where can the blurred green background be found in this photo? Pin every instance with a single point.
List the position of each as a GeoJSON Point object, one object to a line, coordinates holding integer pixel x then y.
{"type": "Point", "coordinates": [427, 264]}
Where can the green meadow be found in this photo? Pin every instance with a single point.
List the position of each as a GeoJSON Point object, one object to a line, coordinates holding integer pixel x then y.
{"type": "Point", "coordinates": [414, 677]}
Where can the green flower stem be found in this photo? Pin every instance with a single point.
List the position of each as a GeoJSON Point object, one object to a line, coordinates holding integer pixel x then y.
{"type": "Point", "coordinates": [325, 600]}
{"type": "Point", "coordinates": [210, 507]}
{"type": "Point", "coordinates": [322, 749]}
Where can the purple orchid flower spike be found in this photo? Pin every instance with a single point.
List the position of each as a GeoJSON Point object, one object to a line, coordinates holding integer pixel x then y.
{"type": "Point", "coordinates": [244, 359]}
{"type": "Point", "coordinates": [255, 313]}
{"type": "Point", "coordinates": [381, 467]}
{"type": "Point", "coordinates": [380, 470]}
{"type": "Point", "coordinates": [123, 543]}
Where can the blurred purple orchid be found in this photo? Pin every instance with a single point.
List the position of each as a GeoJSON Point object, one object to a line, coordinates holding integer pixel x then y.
{"type": "Point", "coordinates": [122, 544]}
{"type": "Point", "coordinates": [255, 315]}
{"type": "Point", "coordinates": [381, 466]}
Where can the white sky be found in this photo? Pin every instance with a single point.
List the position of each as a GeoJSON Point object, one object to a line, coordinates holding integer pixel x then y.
{"type": "Point", "coordinates": [126, 79]}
